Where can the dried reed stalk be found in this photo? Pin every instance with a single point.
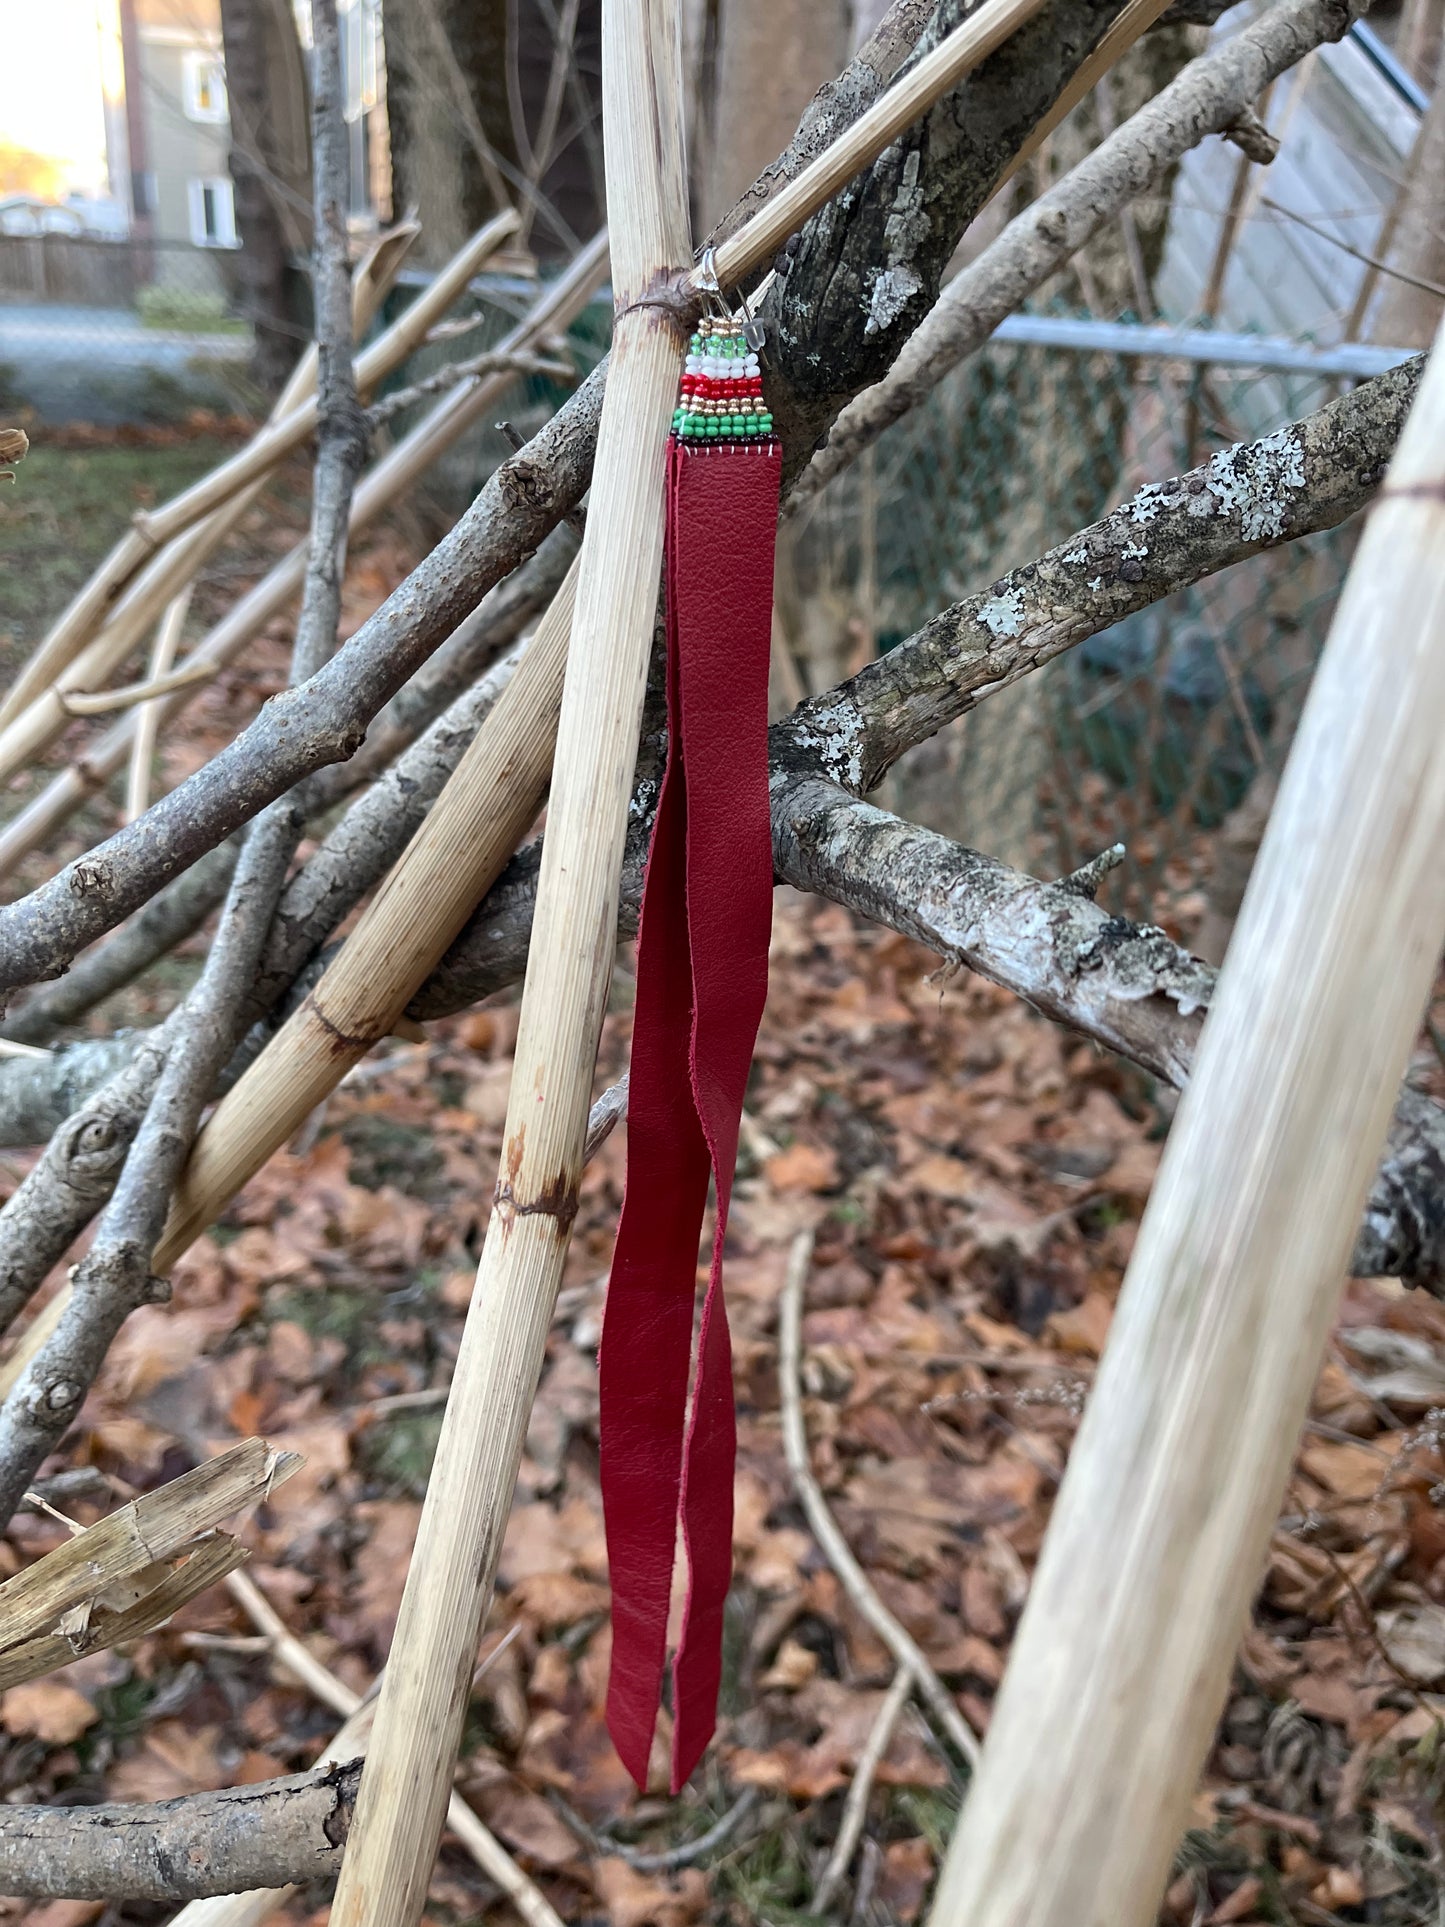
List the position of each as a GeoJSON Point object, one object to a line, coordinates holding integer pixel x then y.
{"type": "Point", "coordinates": [478, 1839]}
{"type": "Point", "coordinates": [197, 522]}
{"type": "Point", "coordinates": [557, 307]}
{"type": "Point", "coordinates": [95, 606]}
{"type": "Point", "coordinates": [405, 335]}
{"type": "Point", "coordinates": [148, 723]}
{"type": "Point", "coordinates": [402, 1796]}
{"type": "Point", "coordinates": [451, 862]}
{"type": "Point", "coordinates": [215, 1557]}
{"type": "Point", "coordinates": [156, 1526]}
{"type": "Point", "coordinates": [1159, 1534]}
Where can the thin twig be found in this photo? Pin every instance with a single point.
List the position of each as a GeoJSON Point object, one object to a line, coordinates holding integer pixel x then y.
{"type": "Point", "coordinates": [604, 1847]}
{"type": "Point", "coordinates": [1359, 254]}
{"type": "Point", "coordinates": [480, 1842]}
{"type": "Point", "coordinates": [855, 1807]}
{"type": "Point", "coordinates": [490, 363]}
{"type": "Point", "coordinates": [839, 1554]}
{"type": "Point", "coordinates": [691, 1851]}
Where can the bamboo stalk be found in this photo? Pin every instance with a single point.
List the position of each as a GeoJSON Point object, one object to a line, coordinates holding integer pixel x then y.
{"type": "Point", "coordinates": [1159, 1534]}
{"type": "Point", "coordinates": [221, 499]}
{"type": "Point", "coordinates": [148, 723]}
{"type": "Point", "coordinates": [135, 695]}
{"type": "Point", "coordinates": [451, 862]}
{"type": "Point", "coordinates": [403, 1786]}
{"type": "Point", "coordinates": [557, 307]}
{"type": "Point", "coordinates": [96, 604]}
{"type": "Point", "coordinates": [478, 1839]}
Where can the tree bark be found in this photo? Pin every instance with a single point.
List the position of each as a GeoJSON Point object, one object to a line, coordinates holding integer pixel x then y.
{"type": "Point", "coordinates": [268, 1835]}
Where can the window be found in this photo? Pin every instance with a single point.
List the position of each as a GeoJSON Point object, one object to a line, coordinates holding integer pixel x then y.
{"type": "Point", "coordinates": [213, 214]}
{"type": "Point", "coordinates": [205, 86]}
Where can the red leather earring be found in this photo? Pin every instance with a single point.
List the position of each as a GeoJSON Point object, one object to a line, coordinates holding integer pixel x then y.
{"type": "Point", "coordinates": [702, 979]}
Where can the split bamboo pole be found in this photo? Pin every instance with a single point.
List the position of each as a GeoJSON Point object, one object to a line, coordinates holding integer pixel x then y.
{"type": "Point", "coordinates": [1160, 1531]}
{"type": "Point", "coordinates": [179, 553]}
{"type": "Point", "coordinates": [148, 722]}
{"type": "Point", "coordinates": [556, 309]}
{"type": "Point", "coordinates": [401, 1800]}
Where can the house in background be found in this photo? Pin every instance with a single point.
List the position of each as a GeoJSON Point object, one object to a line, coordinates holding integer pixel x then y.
{"type": "Point", "coordinates": [169, 145]}
{"type": "Point", "coordinates": [154, 168]}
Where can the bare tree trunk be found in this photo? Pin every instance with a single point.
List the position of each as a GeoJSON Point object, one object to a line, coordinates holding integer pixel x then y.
{"type": "Point", "coordinates": [771, 57]}
{"type": "Point", "coordinates": [447, 107]}
{"type": "Point", "coordinates": [270, 167]}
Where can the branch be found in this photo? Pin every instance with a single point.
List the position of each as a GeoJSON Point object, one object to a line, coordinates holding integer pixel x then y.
{"type": "Point", "coordinates": [168, 919]}
{"type": "Point", "coordinates": [1302, 479]}
{"type": "Point", "coordinates": [323, 720]}
{"type": "Point", "coordinates": [180, 909]}
{"type": "Point", "coordinates": [114, 1277]}
{"type": "Point", "coordinates": [80, 1164]}
{"type": "Point", "coordinates": [268, 1835]}
{"type": "Point", "coordinates": [447, 377]}
{"type": "Point", "coordinates": [855, 1806]}
{"type": "Point", "coordinates": [1126, 985]}
{"type": "Point", "coordinates": [1208, 97]}
{"type": "Point", "coordinates": [867, 267]}
{"type": "Point", "coordinates": [1258, 495]}
{"type": "Point", "coordinates": [1307, 477]}
{"type": "Point", "coordinates": [907, 1653]}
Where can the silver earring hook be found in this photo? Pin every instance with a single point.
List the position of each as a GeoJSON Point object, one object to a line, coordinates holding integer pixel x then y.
{"type": "Point", "coordinates": [753, 329]}
{"type": "Point", "coordinates": [708, 281]}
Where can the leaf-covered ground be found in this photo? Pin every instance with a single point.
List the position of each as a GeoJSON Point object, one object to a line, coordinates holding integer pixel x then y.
{"type": "Point", "coordinates": [975, 1178]}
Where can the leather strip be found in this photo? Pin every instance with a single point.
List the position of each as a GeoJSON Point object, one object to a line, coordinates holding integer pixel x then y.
{"type": "Point", "coordinates": [701, 986]}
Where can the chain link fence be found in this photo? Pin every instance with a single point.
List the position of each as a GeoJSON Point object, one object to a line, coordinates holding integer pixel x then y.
{"type": "Point", "coordinates": [112, 332]}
